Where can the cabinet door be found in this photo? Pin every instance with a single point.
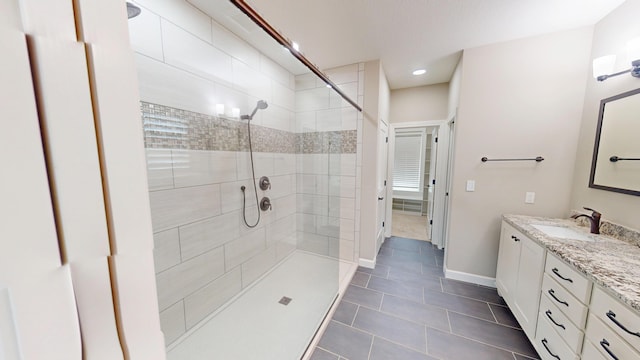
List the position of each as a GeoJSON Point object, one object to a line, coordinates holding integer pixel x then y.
{"type": "Point", "coordinates": [508, 257]}
{"type": "Point", "coordinates": [527, 293]}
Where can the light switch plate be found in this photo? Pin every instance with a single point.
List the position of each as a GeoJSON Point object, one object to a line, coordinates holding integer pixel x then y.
{"type": "Point", "coordinates": [530, 198]}
{"type": "Point", "coordinates": [471, 185]}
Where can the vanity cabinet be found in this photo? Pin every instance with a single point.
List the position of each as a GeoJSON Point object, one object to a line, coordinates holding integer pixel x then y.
{"type": "Point", "coordinates": [563, 311]}
{"type": "Point", "coordinates": [565, 315]}
{"type": "Point", "coordinates": [612, 328]}
{"type": "Point", "coordinates": [519, 276]}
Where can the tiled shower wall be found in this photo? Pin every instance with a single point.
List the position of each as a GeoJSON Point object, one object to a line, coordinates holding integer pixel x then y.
{"type": "Point", "coordinates": [322, 111]}
{"type": "Point", "coordinates": [197, 162]}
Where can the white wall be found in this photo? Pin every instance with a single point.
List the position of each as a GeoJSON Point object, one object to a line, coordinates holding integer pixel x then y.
{"type": "Point", "coordinates": [375, 107]}
{"type": "Point", "coordinates": [419, 103]}
{"type": "Point", "coordinates": [521, 98]}
{"type": "Point", "coordinates": [610, 37]}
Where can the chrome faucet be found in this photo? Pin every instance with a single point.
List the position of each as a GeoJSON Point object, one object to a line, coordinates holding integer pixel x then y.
{"type": "Point", "coordinates": [594, 218]}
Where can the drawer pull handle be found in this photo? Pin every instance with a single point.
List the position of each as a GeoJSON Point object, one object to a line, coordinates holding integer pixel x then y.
{"type": "Point", "coordinates": [612, 316]}
{"type": "Point", "coordinates": [552, 293]}
{"type": "Point", "coordinates": [605, 345]}
{"type": "Point", "coordinates": [515, 238]}
{"type": "Point", "coordinates": [544, 343]}
{"type": "Point", "coordinates": [548, 313]}
{"type": "Point", "coordinates": [555, 271]}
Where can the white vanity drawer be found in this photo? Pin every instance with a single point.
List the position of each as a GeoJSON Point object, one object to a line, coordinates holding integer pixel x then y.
{"type": "Point", "coordinates": [559, 321]}
{"type": "Point", "coordinates": [589, 352]}
{"type": "Point", "coordinates": [569, 278]}
{"type": "Point", "coordinates": [617, 316]}
{"type": "Point", "coordinates": [607, 342]}
{"type": "Point", "coordinates": [567, 303]}
{"type": "Point", "coordinates": [549, 344]}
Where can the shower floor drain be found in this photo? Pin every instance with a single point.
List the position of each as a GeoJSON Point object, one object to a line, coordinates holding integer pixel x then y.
{"type": "Point", "coordinates": [285, 300]}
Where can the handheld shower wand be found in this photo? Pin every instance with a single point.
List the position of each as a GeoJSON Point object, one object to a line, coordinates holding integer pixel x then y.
{"type": "Point", "coordinates": [260, 106]}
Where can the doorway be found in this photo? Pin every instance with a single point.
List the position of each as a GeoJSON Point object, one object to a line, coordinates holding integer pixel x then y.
{"type": "Point", "coordinates": [417, 173]}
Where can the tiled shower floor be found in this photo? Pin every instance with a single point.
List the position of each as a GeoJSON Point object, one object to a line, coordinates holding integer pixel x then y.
{"type": "Point", "coordinates": [256, 326]}
{"type": "Point", "coordinates": [405, 309]}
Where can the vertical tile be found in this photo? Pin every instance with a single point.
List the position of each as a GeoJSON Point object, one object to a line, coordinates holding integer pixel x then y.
{"type": "Point", "coordinates": [209, 298]}
{"type": "Point", "coordinates": [172, 322]}
{"type": "Point", "coordinates": [179, 281]}
{"type": "Point", "coordinates": [312, 99]}
{"type": "Point", "coordinates": [202, 236]}
{"type": "Point", "coordinates": [240, 250]}
{"type": "Point", "coordinates": [166, 250]}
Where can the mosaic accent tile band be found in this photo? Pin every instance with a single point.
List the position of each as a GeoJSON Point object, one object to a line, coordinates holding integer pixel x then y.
{"type": "Point", "coordinates": [170, 128]}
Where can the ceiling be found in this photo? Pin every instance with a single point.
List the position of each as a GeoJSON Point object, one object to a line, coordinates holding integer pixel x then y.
{"type": "Point", "coordinates": [411, 34]}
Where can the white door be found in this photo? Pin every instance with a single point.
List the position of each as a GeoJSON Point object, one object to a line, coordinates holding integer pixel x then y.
{"type": "Point", "coordinates": [383, 142]}
{"type": "Point", "coordinates": [431, 181]}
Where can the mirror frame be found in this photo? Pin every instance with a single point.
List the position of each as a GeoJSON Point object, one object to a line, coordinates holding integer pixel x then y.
{"type": "Point", "coordinates": [594, 159]}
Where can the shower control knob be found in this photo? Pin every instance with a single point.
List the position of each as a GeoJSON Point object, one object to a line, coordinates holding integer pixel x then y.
{"type": "Point", "coordinates": [265, 204]}
{"type": "Point", "coordinates": [264, 183]}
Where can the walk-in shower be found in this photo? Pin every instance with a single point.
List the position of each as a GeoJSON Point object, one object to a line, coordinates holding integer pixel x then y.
{"type": "Point", "coordinates": [223, 263]}
{"type": "Point", "coordinates": [265, 204]}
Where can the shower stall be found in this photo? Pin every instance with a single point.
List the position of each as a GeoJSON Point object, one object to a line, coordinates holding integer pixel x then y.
{"type": "Point", "coordinates": [230, 119]}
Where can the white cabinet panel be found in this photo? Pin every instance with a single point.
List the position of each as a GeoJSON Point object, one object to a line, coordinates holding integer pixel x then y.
{"type": "Point", "coordinates": [64, 103]}
{"type": "Point", "coordinates": [508, 261]}
{"type": "Point", "coordinates": [575, 310]}
{"type": "Point", "coordinates": [92, 288]}
{"type": "Point", "coordinates": [44, 312]}
{"type": "Point", "coordinates": [527, 295]}
{"type": "Point", "coordinates": [569, 278]}
{"type": "Point", "coordinates": [617, 316]}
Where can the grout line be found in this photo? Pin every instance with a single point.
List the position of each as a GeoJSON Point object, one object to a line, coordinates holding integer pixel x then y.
{"type": "Point", "coordinates": [493, 314]}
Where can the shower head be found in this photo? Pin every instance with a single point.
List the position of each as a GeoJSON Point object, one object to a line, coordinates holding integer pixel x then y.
{"type": "Point", "coordinates": [132, 10]}
{"type": "Point", "coordinates": [260, 106]}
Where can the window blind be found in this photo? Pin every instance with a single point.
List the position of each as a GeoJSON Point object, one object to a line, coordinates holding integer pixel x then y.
{"type": "Point", "coordinates": [407, 162]}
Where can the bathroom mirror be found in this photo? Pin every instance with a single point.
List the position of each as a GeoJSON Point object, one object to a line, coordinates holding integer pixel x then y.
{"type": "Point", "coordinates": [616, 155]}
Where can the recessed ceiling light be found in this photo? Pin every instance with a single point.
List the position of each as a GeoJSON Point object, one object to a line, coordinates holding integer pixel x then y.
{"type": "Point", "coordinates": [419, 72]}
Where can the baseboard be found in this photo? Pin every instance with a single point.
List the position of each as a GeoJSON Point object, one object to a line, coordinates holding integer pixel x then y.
{"type": "Point", "coordinates": [366, 263]}
{"type": "Point", "coordinates": [470, 278]}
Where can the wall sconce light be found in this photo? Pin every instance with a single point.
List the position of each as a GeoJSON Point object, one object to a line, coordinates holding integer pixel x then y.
{"type": "Point", "coordinates": [603, 66]}
{"type": "Point", "coordinates": [219, 109]}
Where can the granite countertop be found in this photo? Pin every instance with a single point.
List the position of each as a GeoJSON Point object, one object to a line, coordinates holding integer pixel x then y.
{"type": "Point", "coordinates": [611, 263]}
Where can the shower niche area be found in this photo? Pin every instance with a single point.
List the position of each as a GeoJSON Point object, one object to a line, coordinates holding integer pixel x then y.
{"type": "Point", "coordinates": [227, 288]}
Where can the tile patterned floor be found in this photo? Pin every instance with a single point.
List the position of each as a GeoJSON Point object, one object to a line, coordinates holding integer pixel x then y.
{"type": "Point", "coordinates": [405, 309]}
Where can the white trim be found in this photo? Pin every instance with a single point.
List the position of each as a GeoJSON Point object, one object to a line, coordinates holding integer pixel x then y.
{"type": "Point", "coordinates": [366, 263]}
{"type": "Point", "coordinates": [470, 278]}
